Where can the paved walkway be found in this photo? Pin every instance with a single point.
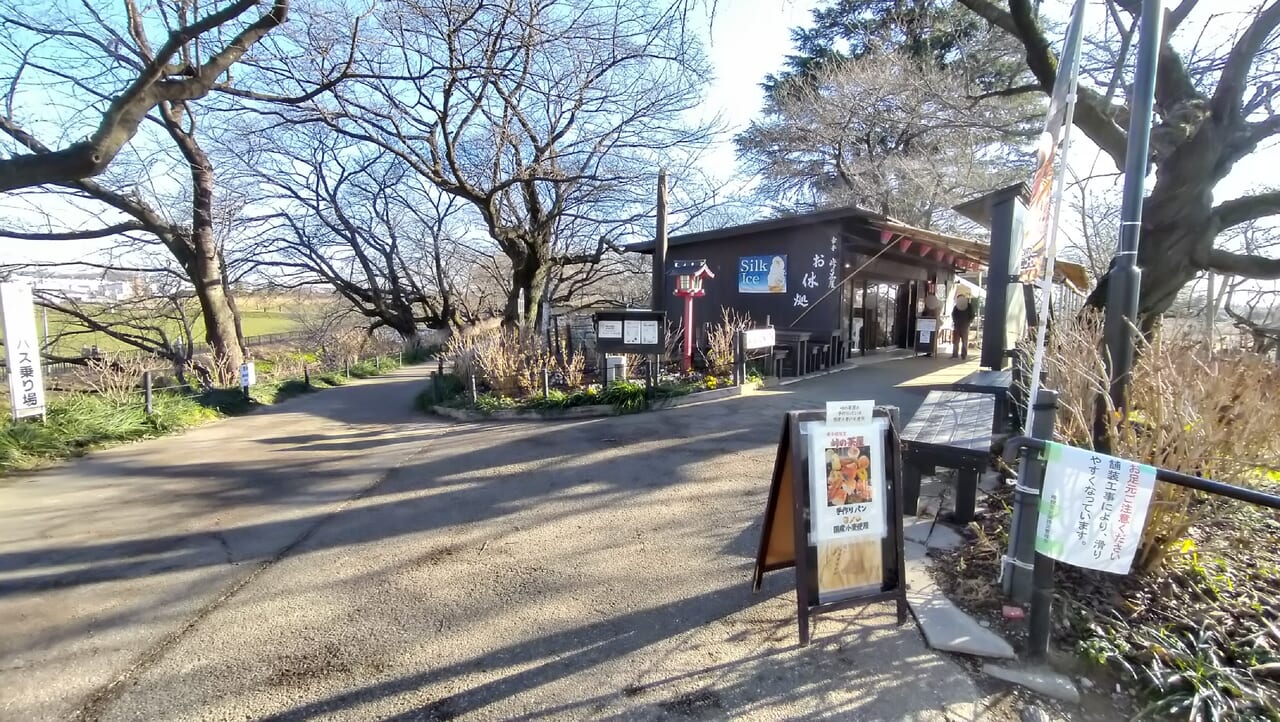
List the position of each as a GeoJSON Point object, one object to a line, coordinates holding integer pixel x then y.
{"type": "Point", "coordinates": [342, 557]}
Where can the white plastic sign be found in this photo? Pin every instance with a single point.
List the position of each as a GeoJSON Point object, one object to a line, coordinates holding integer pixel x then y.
{"type": "Point", "coordinates": [609, 329]}
{"type": "Point", "coordinates": [1093, 508]}
{"type": "Point", "coordinates": [759, 338]}
{"type": "Point", "coordinates": [849, 412]}
{"type": "Point", "coordinates": [248, 376]}
{"type": "Point", "coordinates": [21, 350]}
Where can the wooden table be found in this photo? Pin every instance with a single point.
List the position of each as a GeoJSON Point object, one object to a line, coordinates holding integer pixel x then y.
{"type": "Point", "coordinates": [998, 384]}
{"type": "Point", "coordinates": [951, 429]}
{"type": "Point", "coordinates": [799, 340]}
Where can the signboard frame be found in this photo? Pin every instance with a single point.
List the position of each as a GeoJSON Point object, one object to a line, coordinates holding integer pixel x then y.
{"type": "Point", "coordinates": [638, 331]}
{"type": "Point", "coordinates": [785, 530]}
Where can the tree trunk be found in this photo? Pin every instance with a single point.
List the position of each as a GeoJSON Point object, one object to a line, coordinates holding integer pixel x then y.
{"type": "Point", "coordinates": [207, 276]}
{"type": "Point", "coordinates": [205, 268]}
{"type": "Point", "coordinates": [1177, 233]}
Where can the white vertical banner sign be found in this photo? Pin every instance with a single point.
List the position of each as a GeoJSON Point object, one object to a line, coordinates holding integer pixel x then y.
{"type": "Point", "coordinates": [1040, 244]}
{"type": "Point", "coordinates": [1093, 508]}
{"type": "Point", "coordinates": [21, 350]}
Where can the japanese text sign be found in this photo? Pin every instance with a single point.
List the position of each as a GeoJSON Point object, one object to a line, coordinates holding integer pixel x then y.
{"type": "Point", "coordinates": [847, 491]}
{"type": "Point", "coordinates": [22, 350]}
{"type": "Point", "coordinates": [1092, 508]}
{"type": "Point", "coordinates": [849, 412]}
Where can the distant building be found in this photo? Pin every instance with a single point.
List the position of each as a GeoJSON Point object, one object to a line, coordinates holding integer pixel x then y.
{"type": "Point", "coordinates": [82, 288]}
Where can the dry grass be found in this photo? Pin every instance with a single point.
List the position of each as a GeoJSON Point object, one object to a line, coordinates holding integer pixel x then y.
{"type": "Point", "coordinates": [507, 362]}
{"type": "Point", "coordinates": [117, 376]}
{"type": "Point", "coordinates": [1193, 410]}
{"type": "Point", "coordinates": [720, 340]}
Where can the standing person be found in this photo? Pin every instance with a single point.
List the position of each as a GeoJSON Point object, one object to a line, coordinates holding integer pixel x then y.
{"type": "Point", "coordinates": [961, 317]}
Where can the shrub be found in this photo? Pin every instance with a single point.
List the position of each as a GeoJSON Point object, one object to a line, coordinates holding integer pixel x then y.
{"type": "Point", "coordinates": [625, 396]}
{"type": "Point", "coordinates": [1194, 410]}
{"type": "Point", "coordinates": [720, 339]}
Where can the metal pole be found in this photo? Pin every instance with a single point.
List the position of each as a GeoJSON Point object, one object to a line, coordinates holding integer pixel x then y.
{"type": "Point", "coordinates": [306, 374]}
{"type": "Point", "coordinates": [1016, 571]}
{"type": "Point", "coordinates": [146, 391]}
{"type": "Point", "coordinates": [739, 372]}
{"type": "Point", "coordinates": [474, 395]}
{"type": "Point", "coordinates": [1124, 278]}
{"type": "Point", "coordinates": [546, 383]}
{"type": "Point", "coordinates": [686, 360]}
{"type": "Point", "coordinates": [1041, 617]}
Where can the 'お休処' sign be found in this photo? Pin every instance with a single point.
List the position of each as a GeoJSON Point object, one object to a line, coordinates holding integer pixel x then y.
{"type": "Point", "coordinates": [762, 274]}
{"type": "Point", "coordinates": [22, 350]}
{"type": "Point", "coordinates": [1092, 508]}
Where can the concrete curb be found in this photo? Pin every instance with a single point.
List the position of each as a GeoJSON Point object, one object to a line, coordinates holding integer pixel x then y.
{"type": "Point", "coordinates": [590, 412]}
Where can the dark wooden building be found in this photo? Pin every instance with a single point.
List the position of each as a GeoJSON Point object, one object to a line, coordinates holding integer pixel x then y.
{"type": "Point", "coordinates": [846, 278]}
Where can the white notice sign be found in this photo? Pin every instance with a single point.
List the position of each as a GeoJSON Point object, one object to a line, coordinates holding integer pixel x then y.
{"type": "Point", "coordinates": [21, 350]}
{"type": "Point", "coordinates": [609, 329]}
{"type": "Point", "coordinates": [759, 338]}
{"type": "Point", "coordinates": [248, 375]}
{"type": "Point", "coordinates": [846, 489]}
{"type": "Point", "coordinates": [849, 412]}
{"type": "Point", "coordinates": [1093, 508]}
{"type": "Point", "coordinates": [631, 332]}
{"type": "Point", "coordinates": [926, 325]}
{"type": "Point", "coordinates": [649, 333]}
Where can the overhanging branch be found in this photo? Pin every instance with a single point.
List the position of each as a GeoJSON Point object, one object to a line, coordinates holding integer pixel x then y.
{"type": "Point", "coordinates": [1092, 114]}
{"type": "Point", "coordinates": [1246, 208]}
{"type": "Point", "coordinates": [126, 112]}
{"type": "Point", "coordinates": [1244, 265]}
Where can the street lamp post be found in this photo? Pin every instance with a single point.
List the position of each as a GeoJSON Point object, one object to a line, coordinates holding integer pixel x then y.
{"type": "Point", "coordinates": [1124, 278]}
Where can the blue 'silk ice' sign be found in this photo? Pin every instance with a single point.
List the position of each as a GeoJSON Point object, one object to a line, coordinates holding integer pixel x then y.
{"type": "Point", "coordinates": [762, 274]}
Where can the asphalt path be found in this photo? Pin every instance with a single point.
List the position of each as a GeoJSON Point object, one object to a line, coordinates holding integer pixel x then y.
{"type": "Point", "coordinates": [343, 557]}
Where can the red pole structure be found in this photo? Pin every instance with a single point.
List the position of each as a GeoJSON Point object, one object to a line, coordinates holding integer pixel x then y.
{"type": "Point", "coordinates": [687, 362]}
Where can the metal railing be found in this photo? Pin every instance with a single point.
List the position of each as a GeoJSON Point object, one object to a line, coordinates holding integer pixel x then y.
{"type": "Point", "coordinates": [1031, 484]}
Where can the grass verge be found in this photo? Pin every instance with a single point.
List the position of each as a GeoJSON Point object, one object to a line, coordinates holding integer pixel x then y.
{"type": "Point", "coordinates": [78, 422]}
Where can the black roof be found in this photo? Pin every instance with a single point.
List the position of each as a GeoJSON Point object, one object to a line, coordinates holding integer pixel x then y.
{"type": "Point", "coordinates": [771, 224]}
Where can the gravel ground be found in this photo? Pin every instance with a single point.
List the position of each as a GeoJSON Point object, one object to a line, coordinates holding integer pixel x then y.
{"type": "Point", "coordinates": [575, 570]}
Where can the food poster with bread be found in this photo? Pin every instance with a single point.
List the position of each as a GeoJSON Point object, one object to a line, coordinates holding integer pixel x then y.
{"type": "Point", "coordinates": [848, 489]}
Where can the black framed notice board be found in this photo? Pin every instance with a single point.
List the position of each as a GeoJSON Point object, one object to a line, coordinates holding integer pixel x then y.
{"type": "Point", "coordinates": [842, 535]}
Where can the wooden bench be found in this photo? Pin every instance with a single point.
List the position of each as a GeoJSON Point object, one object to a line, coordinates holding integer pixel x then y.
{"type": "Point", "coordinates": [951, 429]}
{"type": "Point", "coordinates": [997, 384]}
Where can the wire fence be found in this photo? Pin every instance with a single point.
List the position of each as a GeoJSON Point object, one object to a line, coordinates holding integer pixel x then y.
{"type": "Point", "coordinates": [53, 369]}
{"type": "Point", "coordinates": [144, 378]}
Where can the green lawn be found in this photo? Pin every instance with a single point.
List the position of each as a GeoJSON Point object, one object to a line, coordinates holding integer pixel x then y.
{"type": "Point", "coordinates": [256, 323]}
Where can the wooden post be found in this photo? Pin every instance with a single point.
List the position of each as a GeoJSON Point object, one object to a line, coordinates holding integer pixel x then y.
{"type": "Point", "coordinates": [660, 246]}
{"type": "Point", "coordinates": [146, 391]}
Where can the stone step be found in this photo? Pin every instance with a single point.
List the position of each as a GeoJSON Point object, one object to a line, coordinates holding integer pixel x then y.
{"type": "Point", "coordinates": [944, 625]}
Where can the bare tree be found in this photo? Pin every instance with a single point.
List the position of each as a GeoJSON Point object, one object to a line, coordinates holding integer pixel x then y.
{"type": "Point", "coordinates": [356, 219]}
{"type": "Point", "coordinates": [1218, 78]}
{"type": "Point", "coordinates": [49, 41]}
{"type": "Point", "coordinates": [529, 112]}
{"type": "Point", "coordinates": [885, 132]}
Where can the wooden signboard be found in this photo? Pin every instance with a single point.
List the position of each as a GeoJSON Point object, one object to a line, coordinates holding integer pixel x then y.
{"type": "Point", "coordinates": [851, 547]}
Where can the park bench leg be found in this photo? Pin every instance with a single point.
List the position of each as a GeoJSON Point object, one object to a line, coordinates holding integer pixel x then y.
{"type": "Point", "coordinates": [966, 495]}
{"type": "Point", "coordinates": [910, 489]}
